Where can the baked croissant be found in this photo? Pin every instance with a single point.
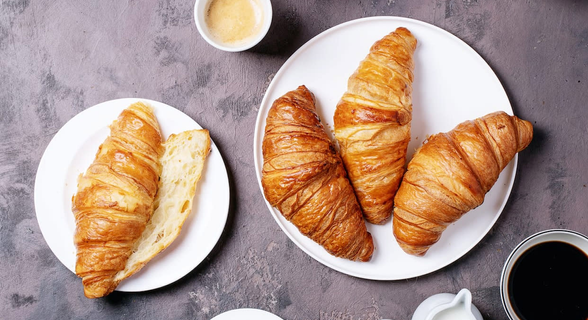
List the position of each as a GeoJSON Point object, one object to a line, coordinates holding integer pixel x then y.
{"type": "Point", "coordinates": [183, 162]}
{"type": "Point", "coordinates": [304, 178]}
{"type": "Point", "coordinates": [115, 197]}
{"type": "Point", "coordinates": [372, 123]}
{"type": "Point", "coordinates": [451, 173]}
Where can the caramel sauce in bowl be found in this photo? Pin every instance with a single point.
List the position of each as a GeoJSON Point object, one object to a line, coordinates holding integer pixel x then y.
{"type": "Point", "coordinates": [233, 25]}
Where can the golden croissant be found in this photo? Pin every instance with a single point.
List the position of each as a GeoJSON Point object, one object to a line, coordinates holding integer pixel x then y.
{"type": "Point", "coordinates": [304, 178]}
{"type": "Point", "coordinates": [115, 198]}
{"type": "Point", "coordinates": [183, 163]}
{"type": "Point", "coordinates": [372, 123]}
{"type": "Point", "coordinates": [451, 173]}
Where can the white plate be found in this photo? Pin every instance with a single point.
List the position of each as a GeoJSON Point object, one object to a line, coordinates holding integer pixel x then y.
{"type": "Point", "coordinates": [71, 152]}
{"type": "Point", "coordinates": [246, 314]}
{"type": "Point", "coordinates": [452, 84]}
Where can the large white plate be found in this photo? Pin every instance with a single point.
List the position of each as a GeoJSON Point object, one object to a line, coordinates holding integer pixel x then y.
{"type": "Point", "coordinates": [71, 152]}
{"type": "Point", "coordinates": [452, 84]}
{"type": "Point", "coordinates": [246, 314]}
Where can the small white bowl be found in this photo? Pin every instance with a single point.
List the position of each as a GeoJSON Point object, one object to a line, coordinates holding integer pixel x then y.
{"type": "Point", "coordinates": [200, 10]}
{"type": "Point", "coordinates": [574, 238]}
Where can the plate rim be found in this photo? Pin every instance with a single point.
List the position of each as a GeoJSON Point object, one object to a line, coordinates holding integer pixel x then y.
{"type": "Point", "coordinates": [258, 140]}
{"type": "Point", "coordinates": [57, 139]}
{"type": "Point", "coordinates": [242, 312]}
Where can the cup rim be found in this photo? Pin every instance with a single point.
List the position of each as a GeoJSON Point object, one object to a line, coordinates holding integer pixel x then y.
{"type": "Point", "coordinates": [201, 5]}
{"type": "Point", "coordinates": [524, 246]}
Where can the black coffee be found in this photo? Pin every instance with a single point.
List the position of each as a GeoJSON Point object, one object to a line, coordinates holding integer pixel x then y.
{"type": "Point", "coordinates": [550, 281]}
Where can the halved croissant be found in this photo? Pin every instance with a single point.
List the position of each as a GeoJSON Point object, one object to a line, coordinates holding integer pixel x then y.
{"type": "Point", "coordinates": [372, 123]}
{"type": "Point", "coordinates": [304, 178]}
{"type": "Point", "coordinates": [115, 198]}
{"type": "Point", "coordinates": [451, 173]}
{"type": "Point", "coordinates": [183, 162]}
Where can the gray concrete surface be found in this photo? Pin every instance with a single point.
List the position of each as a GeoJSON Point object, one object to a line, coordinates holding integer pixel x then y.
{"type": "Point", "coordinates": [58, 58]}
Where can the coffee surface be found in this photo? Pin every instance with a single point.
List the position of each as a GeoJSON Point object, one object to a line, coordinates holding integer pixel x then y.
{"type": "Point", "coordinates": [550, 281]}
{"type": "Point", "coordinates": [234, 21]}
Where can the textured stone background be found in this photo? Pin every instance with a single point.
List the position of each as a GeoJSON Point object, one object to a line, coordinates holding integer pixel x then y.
{"type": "Point", "coordinates": [59, 57]}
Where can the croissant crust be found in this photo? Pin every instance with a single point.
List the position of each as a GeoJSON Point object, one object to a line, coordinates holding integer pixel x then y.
{"type": "Point", "coordinates": [304, 178]}
{"type": "Point", "coordinates": [372, 122]}
{"type": "Point", "coordinates": [115, 198]}
{"type": "Point", "coordinates": [450, 175]}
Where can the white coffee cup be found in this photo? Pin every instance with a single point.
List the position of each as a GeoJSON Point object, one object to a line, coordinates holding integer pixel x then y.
{"type": "Point", "coordinates": [570, 237]}
{"type": "Point", "coordinates": [201, 10]}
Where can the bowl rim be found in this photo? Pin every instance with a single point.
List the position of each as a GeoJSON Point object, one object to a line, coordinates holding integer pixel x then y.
{"type": "Point", "coordinates": [201, 5]}
{"type": "Point", "coordinates": [520, 249]}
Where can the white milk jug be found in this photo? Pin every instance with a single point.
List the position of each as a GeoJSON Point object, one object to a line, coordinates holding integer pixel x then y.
{"type": "Point", "coordinates": [447, 306]}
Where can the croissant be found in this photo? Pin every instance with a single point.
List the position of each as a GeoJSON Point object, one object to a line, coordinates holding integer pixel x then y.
{"type": "Point", "coordinates": [451, 173]}
{"type": "Point", "coordinates": [183, 162]}
{"type": "Point", "coordinates": [372, 123]}
{"type": "Point", "coordinates": [304, 178]}
{"type": "Point", "coordinates": [115, 198]}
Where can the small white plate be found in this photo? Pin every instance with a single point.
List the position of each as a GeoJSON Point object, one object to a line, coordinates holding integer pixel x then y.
{"type": "Point", "coordinates": [246, 314]}
{"type": "Point", "coordinates": [70, 153]}
{"type": "Point", "coordinates": [452, 84]}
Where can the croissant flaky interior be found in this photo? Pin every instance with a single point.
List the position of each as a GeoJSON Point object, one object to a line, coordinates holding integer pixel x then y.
{"type": "Point", "coordinates": [450, 175]}
{"type": "Point", "coordinates": [115, 198]}
{"type": "Point", "coordinates": [372, 122]}
{"type": "Point", "coordinates": [304, 178]}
